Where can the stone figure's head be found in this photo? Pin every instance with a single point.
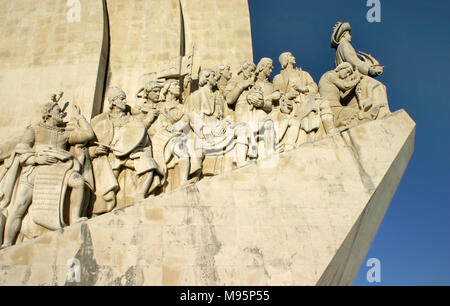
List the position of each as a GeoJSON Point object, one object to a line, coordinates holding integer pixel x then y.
{"type": "Point", "coordinates": [286, 58]}
{"type": "Point", "coordinates": [344, 70]}
{"type": "Point", "coordinates": [170, 86]}
{"type": "Point", "coordinates": [153, 90]}
{"type": "Point", "coordinates": [207, 76]}
{"type": "Point", "coordinates": [265, 67]}
{"type": "Point", "coordinates": [117, 98]}
{"type": "Point", "coordinates": [247, 70]}
{"type": "Point", "coordinates": [223, 71]}
{"type": "Point", "coordinates": [286, 105]}
{"type": "Point", "coordinates": [341, 30]}
{"type": "Point", "coordinates": [52, 113]}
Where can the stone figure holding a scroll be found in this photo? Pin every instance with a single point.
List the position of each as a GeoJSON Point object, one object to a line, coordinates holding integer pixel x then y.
{"type": "Point", "coordinates": [46, 172]}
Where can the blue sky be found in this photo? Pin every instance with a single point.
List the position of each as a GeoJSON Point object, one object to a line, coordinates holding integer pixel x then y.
{"type": "Point", "coordinates": [412, 41]}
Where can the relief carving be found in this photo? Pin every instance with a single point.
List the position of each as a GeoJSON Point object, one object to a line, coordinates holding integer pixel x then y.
{"type": "Point", "coordinates": [178, 131]}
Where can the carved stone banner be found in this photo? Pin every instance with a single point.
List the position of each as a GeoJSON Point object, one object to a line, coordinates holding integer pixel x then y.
{"type": "Point", "coordinates": [49, 192]}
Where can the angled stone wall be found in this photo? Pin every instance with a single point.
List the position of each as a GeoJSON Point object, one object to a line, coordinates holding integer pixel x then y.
{"type": "Point", "coordinates": [308, 217]}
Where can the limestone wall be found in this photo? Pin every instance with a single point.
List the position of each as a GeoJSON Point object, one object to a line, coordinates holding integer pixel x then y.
{"type": "Point", "coordinates": [42, 51]}
{"type": "Point", "coordinates": [222, 39]}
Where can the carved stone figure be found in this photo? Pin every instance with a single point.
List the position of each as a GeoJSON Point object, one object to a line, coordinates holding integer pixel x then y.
{"type": "Point", "coordinates": [293, 81]}
{"type": "Point", "coordinates": [236, 94]}
{"type": "Point", "coordinates": [337, 87]}
{"type": "Point", "coordinates": [122, 143]}
{"type": "Point", "coordinates": [271, 94]}
{"type": "Point", "coordinates": [299, 86]}
{"type": "Point", "coordinates": [169, 135]}
{"type": "Point", "coordinates": [44, 171]}
{"type": "Point", "coordinates": [287, 127]}
{"type": "Point", "coordinates": [341, 41]}
{"type": "Point", "coordinates": [223, 76]}
{"type": "Point", "coordinates": [214, 132]}
{"type": "Point", "coordinates": [371, 94]}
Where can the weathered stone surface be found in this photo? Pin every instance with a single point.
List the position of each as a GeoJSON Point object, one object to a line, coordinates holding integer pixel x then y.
{"type": "Point", "coordinates": [147, 33]}
{"type": "Point", "coordinates": [144, 34]}
{"type": "Point", "coordinates": [229, 38]}
{"type": "Point", "coordinates": [42, 51]}
{"type": "Point", "coordinates": [305, 218]}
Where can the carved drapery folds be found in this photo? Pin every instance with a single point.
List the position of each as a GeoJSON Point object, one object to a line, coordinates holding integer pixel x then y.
{"type": "Point", "coordinates": [64, 171]}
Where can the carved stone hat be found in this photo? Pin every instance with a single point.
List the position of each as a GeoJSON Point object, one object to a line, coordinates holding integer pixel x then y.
{"type": "Point", "coordinates": [115, 92]}
{"type": "Point", "coordinates": [338, 30]}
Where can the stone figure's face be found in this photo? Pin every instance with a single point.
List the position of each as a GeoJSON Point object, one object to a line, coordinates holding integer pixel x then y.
{"type": "Point", "coordinates": [175, 89]}
{"type": "Point", "coordinates": [212, 79]}
{"type": "Point", "coordinates": [153, 94]}
{"type": "Point", "coordinates": [292, 59]}
{"type": "Point", "coordinates": [226, 73]}
{"type": "Point", "coordinates": [286, 106]}
{"type": "Point", "coordinates": [121, 102]}
{"type": "Point", "coordinates": [347, 36]}
{"type": "Point", "coordinates": [345, 73]}
{"type": "Point", "coordinates": [57, 115]}
{"type": "Point", "coordinates": [249, 72]}
{"type": "Point", "coordinates": [268, 70]}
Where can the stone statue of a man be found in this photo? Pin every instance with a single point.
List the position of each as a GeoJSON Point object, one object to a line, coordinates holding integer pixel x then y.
{"type": "Point", "coordinates": [47, 170]}
{"type": "Point", "coordinates": [122, 143]}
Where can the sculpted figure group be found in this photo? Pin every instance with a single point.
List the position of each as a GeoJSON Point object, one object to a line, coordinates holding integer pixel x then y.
{"type": "Point", "coordinates": [62, 172]}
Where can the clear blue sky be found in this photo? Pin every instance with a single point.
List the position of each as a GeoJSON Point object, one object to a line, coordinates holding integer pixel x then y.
{"type": "Point", "coordinates": [412, 41]}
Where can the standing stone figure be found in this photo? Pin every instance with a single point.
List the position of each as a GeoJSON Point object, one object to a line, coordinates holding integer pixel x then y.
{"type": "Point", "coordinates": [271, 94]}
{"type": "Point", "coordinates": [287, 127]}
{"type": "Point", "coordinates": [371, 94]}
{"type": "Point", "coordinates": [44, 170]}
{"type": "Point", "coordinates": [299, 86]}
{"type": "Point", "coordinates": [223, 76]}
{"type": "Point", "coordinates": [293, 81]}
{"type": "Point", "coordinates": [169, 132]}
{"type": "Point", "coordinates": [271, 97]}
{"type": "Point", "coordinates": [236, 94]}
{"type": "Point", "coordinates": [122, 144]}
{"type": "Point", "coordinates": [213, 134]}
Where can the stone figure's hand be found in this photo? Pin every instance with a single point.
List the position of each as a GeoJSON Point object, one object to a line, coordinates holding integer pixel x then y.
{"type": "Point", "coordinates": [46, 160]}
{"type": "Point", "coordinates": [301, 89]}
{"type": "Point", "coordinates": [101, 150]}
{"type": "Point", "coordinates": [276, 96]}
{"type": "Point", "coordinates": [76, 112]}
{"type": "Point", "coordinates": [70, 127]}
{"type": "Point", "coordinates": [155, 113]}
{"type": "Point", "coordinates": [187, 80]}
{"type": "Point", "coordinates": [247, 83]}
{"type": "Point", "coordinates": [375, 70]}
{"type": "Point", "coordinates": [219, 130]}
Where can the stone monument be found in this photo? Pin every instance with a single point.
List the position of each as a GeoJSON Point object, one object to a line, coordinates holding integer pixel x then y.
{"type": "Point", "coordinates": [183, 163]}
